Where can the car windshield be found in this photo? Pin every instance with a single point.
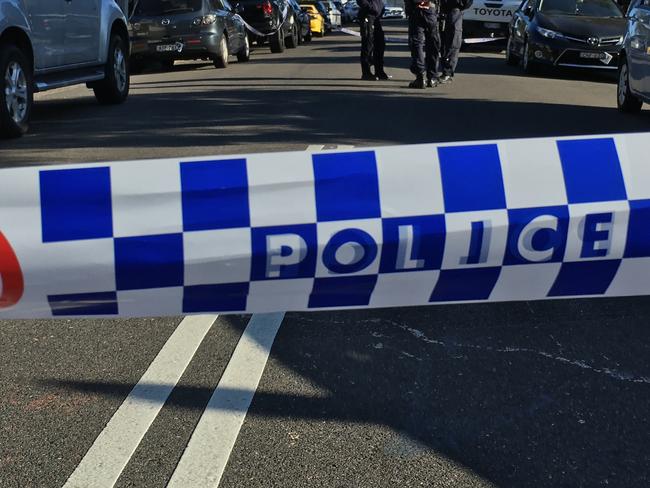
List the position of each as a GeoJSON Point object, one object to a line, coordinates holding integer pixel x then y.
{"type": "Point", "coordinates": [586, 8]}
{"type": "Point", "coordinates": [166, 7]}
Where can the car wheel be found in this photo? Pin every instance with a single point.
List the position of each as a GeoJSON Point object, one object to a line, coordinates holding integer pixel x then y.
{"type": "Point", "coordinates": [221, 60]}
{"type": "Point", "coordinates": [115, 87]}
{"type": "Point", "coordinates": [322, 31]}
{"type": "Point", "coordinates": [511, 58]}
{"type": "Point", "coordinates": [277, 42]}
{"type": "Point", "coordinates": [527, 64]}
{"type": "Point", "coordinates": [167, 64]}
{"type": "Point", "coordinates": [625, 99]}
{"type": "Point", "coordinates": [16, 92]}
{"type": "Point", "coordinates": [137, 65]}
{"type": "Point", "coordinates": [292, 40]}
{"type": "Point", "coordinates": [245, 54]}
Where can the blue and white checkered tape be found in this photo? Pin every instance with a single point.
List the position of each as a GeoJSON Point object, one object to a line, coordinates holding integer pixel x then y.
{"type": "Point", "coordinates": [395, 226]}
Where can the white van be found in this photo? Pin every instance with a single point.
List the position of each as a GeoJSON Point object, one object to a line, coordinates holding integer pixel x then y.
{"type": "Point", "coordinates": [488, 20]}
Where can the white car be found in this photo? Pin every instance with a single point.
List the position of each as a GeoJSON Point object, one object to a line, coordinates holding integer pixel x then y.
{"type": "Point", "coordinates": [488, 20]}
{"type": "Point", "coordinates": [394, 13]}
{"type": "Point", "coordinates": [334, 14]}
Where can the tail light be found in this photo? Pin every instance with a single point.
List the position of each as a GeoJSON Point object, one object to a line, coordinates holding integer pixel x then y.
{"type": "Point", "coordinates": [267, 8]}
{"type": "Point", "coordinates": [205, 20]}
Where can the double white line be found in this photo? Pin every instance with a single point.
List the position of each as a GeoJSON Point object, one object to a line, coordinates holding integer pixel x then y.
{"type": "Point", "coordinates": [207, 453]}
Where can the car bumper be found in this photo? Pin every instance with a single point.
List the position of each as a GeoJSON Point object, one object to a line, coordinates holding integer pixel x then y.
{"type": "Point", "coordinates": [184, 47]}
{"type": "Point", "coordinates": [264, 26]}
{"type": "Point", "coordinates": [316, 25]}
{"type": "Point", "coordinates": [478, 29]}
{"type": "Point", "coordinates": [568, 54]}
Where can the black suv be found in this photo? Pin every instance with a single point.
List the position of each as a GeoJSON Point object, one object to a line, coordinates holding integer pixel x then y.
{"type": "Point", "coordinates": [170, 30]}
{"type": "Point", "coordinates": [274, 20]}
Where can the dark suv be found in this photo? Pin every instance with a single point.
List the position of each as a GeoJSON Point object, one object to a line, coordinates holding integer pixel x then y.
{"type": "Point", "coordinates": [273, 20]}
{"type": "Point", "coordinates": [170, 30]}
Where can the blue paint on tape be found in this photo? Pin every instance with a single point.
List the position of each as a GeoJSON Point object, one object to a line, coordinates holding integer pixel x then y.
{"type": "Point", "coordinates": [323, 268]}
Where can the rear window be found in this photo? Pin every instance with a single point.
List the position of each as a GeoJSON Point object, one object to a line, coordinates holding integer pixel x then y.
{"type": "Point", "coordinates": [167, 7]}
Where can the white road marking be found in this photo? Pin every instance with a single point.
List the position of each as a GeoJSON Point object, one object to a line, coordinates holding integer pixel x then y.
{"type": "Point", "coordinates": [315, 147]}
{"type": "Point", "coordinates": [112, 450]}
{"type": "Point", "coordinates": [206, 455]}
{"type": "Point", "coordinates": [327, 147]}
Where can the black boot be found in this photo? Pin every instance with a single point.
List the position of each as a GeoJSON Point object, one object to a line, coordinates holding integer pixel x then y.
{"type": "Point", "coordinates": [418, 83]}
{"type": "Point", "coordinates": [382, 75]}
{"type": "Point", "coordinates": [368, 76]}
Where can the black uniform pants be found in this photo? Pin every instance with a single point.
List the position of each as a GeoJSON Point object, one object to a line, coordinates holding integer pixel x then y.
{"type": "Point", "coordinates": [373, 44]}
{"type": "Point", "coordinates": [424, 39]}
{"type": "Point", "coordinates": [452, 38]}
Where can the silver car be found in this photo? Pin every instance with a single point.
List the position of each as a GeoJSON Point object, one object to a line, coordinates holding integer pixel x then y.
{"type": "Point", "coordinates": [634, 65]}
{"type": "Point", "coordinates": [47, 44]}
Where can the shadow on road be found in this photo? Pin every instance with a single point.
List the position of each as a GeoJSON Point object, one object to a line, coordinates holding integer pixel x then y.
{"type": "Point", "coordinates": [544, 394]}
{"type": "Point", "coordinates": [233, 111]}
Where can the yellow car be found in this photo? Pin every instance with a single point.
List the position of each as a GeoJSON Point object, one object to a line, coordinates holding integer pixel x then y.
{"type": "Point", "coordinates": [316, 20]}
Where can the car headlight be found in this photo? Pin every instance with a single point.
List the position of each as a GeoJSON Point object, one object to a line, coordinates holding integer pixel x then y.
{"type": "Point", "coordinates": [551, 34]}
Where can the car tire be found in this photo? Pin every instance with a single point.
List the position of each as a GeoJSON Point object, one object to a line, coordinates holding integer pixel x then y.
{"type": "Point", "coordinates": [15, 77]}
{"type": "Point", "coordinates": [322, 31]}
{"type": "Point", "coordinates": [244, 55]}
{"type": "Point", "coordinates": [221, 60]}
{"type": "Point", "coordinates": [167, 64]}
{"type": "Point", "coordinates": [292, 40]}
{"type": "Point", "coordinates": [511, 58]}
{"type": "Point", "coordinates": [626, 100]}
{"type": "Point", "coordinates": [114, 88]}
{"type": "Point", "coordinates": [137, 66]}
{"type": "Point", "coordinates": [277, 42]}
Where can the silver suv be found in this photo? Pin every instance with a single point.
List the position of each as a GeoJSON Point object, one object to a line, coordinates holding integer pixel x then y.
{"type": "Point", "coordinates": [47, 44]}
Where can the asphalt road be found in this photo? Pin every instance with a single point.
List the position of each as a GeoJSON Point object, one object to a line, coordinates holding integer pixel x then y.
{"type": "Point", "coordinates": [545, 394]}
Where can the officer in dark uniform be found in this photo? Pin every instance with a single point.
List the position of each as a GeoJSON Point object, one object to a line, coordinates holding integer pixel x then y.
{"type": "Point", "coordinates": [424, 40]}
{"type": "Point", "coordinates": [451, 12]}
{"type": "Point", "coordinates": [373, 42]}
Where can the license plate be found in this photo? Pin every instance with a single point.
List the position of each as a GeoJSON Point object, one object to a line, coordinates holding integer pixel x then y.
{"type": "Point", "coordinates": [492, 25]}
{"type": "Point", "coordinates": [589, 55]}
{"type": "Point", "coordinates": [167, 48]}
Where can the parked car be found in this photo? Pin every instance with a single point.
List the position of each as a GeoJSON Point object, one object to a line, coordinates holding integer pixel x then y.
{"type": "Point", "coordinates": [324, 8]}
{"type": "Point", "coordinates": [334, 14]}
{"type": "Point", "coordinates": [634, 66]}
{"type": "Point", "coordinates": [394, 13]}
{"type": "Point", "coordinates": [350, 11]}
{"type": "Point", "coordinates": [274, 19]}
{"type": "Point", "coordinates": [302, 20]}
{"type": "Point", "coordinates": [339, 7]}
{"type": "Point", "coordinates": [317, 22]}
{"type": "Point", "coordinates": [569, 33]}
{"type": "Point", "coordinates": [487, 20]}
{"type": "Point", "coordinates": [40, 50]}
{"type": "Point", "coordinates": [174, 30]}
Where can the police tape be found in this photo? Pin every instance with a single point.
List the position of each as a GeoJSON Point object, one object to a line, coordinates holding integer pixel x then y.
{"type": "Point", "coordinates": [483, 40]}
{"type": "Point", "coordinates": [393, 226]}
{"type": "Point", "coordinates": [394, 40]}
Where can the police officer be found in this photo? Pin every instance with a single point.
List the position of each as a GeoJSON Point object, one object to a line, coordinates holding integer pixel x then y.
{"type": "Point", "coordinates": [373, 42]}
{"type": "Point", "coordinates": [424, 40]}
{"type": "Point", "coordinates": [451, 12]}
